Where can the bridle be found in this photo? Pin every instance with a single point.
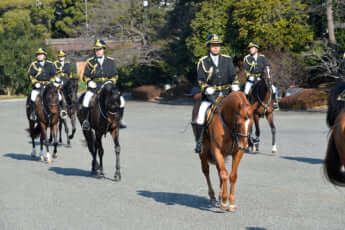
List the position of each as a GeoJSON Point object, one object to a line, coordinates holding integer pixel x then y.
{"type": "Point", "coordinates": [265, 105]}
{"type": "Point", "coordinates": [236, 135]}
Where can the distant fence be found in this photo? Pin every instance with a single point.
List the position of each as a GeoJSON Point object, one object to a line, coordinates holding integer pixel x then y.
{"type": "Point", "coordinates": [81, 44]}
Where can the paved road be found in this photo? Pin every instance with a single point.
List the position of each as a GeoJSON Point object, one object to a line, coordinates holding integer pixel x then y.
{"type": "Point", "coordinates": [162, 186]}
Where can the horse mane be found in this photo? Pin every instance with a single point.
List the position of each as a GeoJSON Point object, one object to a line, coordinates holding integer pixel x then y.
{"type": "Point", "coordinates": [334, 106]}
{"type": "Point", "coordinates": [257, 92]}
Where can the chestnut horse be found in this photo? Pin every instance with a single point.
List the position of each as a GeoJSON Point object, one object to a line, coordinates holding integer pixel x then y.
{"type": "Point", "coordinates": [104, 117]}
{"type": "Point", "coordinates": [47, 110]}
{"type": "Point", "coordinates": [227, 134]}
{"type": "Point", "coordinates": [335, 155]}
{"type": "Point", "coordinates": [261, 98]}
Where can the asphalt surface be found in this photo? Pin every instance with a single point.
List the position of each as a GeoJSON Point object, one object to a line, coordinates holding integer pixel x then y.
{"type": "Point", "coordinates": [162, 185]}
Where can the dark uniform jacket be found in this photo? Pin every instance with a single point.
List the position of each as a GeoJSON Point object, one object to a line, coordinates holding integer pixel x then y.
{"type": "Point", "coordinates": [255, 68]}
{"type": "Point", "coordinates": [342, 67]}
{"type": "Point", "coordinates": [220, 77]}
{"type": "Point", "coordinates": [100, 73]}
{"type": "Point", "coordinates": [37, 73]}
{"type": "Point", "coordinates": [64, 72]}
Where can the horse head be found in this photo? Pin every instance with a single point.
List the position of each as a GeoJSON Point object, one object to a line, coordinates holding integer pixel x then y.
{"type": "Point", "coordinates": [239, 117]}
{"type": "Point", "coordinates": [110, 100]}
{"type": "Point", "coordinates": [51, 98]}
{"type": "Point", "coordinates": [71, 90]}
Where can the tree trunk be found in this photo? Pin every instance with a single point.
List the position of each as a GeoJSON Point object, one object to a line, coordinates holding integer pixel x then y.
{"type": "Point", "coordinates": [330, 22]}
{"type": "Point", "coordinates": [9, 91]}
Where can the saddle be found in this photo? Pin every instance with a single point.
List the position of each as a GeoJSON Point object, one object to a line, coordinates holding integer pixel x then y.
{"type": "Point", "coordinates": [212, 109]}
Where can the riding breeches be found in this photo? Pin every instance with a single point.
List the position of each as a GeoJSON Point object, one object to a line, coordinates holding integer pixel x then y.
{"type": "Point", "coordinates": [89, 94]}
{"type": "Point", "coordinates": [34, 94]}
{"type": "Point", "coordinates": [250, 83]}
{"type": "Point", "coordinates": [202, 112]}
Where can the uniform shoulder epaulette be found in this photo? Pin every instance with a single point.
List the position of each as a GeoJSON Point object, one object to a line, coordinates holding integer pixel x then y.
{"type": "Point", "coordinates": [49, 62]}
{"type": "Point", "coordinates": [111, 58]}
{"type": "Point", "coordinates": [227, 56]}
{"type": "Point", "coordinates": [261, 55]}
{"type": "Point", "coordinates": [204, 57]}
{"type": "Point", "coordinates": [90, 59]}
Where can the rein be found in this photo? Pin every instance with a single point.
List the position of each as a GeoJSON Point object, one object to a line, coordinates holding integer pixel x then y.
{"type": "Point", "coordinates": [269, 99]}
{"type": "Point", "coordinates": [235, 135]}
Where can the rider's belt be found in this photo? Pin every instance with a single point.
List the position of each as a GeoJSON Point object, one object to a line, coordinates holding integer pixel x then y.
{"type": "Point", "coordinates": [104, 79]}
{"type": "Point", "coordinates": [254, 74]}
{"type": "Point", "coordinates": [43, 82]}
{"type": "Point", "coordinates": [221, 87]}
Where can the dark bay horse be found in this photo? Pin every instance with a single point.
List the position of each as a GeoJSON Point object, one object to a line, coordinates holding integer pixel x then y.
{"type": "Point", "coordinates": [47, 110]}
{"type": "Point", "coordinates": [335, 155]}
{"type": "Point", "coordinates": [227, 135]}
{"type": "Point", "coordinates": [261, 97]}
{"type": "Point", "coordinates": [104, 117]}
{"type": "Point", "coordinates": [70, 91]}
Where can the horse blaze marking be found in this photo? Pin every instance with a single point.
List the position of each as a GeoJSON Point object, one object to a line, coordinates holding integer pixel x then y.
{"type": "Point", "coordinates": [246, 125]}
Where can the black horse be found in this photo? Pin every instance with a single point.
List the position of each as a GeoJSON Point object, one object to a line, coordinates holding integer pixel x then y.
{"type": "Point", "coordinates": [104, 116]}
{"type": "Point", "coordinates": [70, 91]}
{"type": "Point", "coordinates": [262, 99]}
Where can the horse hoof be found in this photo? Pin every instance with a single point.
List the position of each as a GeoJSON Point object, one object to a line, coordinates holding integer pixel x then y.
{"type": "Point", "coordinates": [214, 202]}
{"type": "Point", "coordinates": [49, 158]}
{"type": "Point", "coordinates": [42, 157]}
{"type": "Point", "coordinates": [274, 149]}
{"type": "Point", "coordinates": [55, 155]}
{"type": "Point", "coordinates": [224, 207]}
{"type": "Point", "coordinates": [33, 153]}
{"type": "Point", "coordinates": [117, 177]}
{"type": "Point", "coordinates": [232, 207]}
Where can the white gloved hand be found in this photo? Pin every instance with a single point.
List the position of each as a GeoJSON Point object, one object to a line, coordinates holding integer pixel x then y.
{"type": "Point", "coordinates": [235, 87]}
{"type": "Point", "coordinates": [209, 91]}
{"type": "Point", "coordinates": [268, 72]}
{"type": "Point", "coordinates": [37, 85]}
{"type": "Point", "coordinates": [91, 84]}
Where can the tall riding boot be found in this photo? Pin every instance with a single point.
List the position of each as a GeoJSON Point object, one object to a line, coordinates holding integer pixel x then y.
{"type": "Point", "coordinates": [199, 131]}
{"type": "Point", "coordinates": [86, 124]}
{"type": "Point", "coordinates": [33, 115]}
{"type": "Point", "coordinates": [123, 124]}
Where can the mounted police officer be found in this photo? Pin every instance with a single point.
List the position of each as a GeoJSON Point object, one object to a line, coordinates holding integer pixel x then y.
{"type": "Point", "coordinates": [254, 65]}
{"type": "Point", "coordinates": [41, 72]}
{"type": "Point", "coordinates": [63, 72]}
{"type": "Point", "coordinates": [98, 70]}
{"type": "Point", "coordinates": [216, 77]}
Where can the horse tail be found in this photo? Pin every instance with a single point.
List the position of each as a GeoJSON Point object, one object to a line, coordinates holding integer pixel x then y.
{"type": "Point", "coordinates": [35, 132]}
{"type": "Point", "coordinates": [332, 165]}
{"type": "Point", "coordinates": [334, 105]}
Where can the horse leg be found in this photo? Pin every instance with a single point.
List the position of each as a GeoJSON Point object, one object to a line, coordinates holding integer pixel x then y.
{"type": "Point", "coordinates": [60, 128]}
{"type": "Point", "coordinates": [66, 131]}
{"type": "Point", "coordinates": [257, 132]}
{"type": "Point", "coordinates": [90, 139]}
{"type": "Point", "coordinates": [223, 176]}
{"type": "Point", "coordinates": [55, 134]}
{"type": "Point", "coordinates": [236, 158]}
{"type": "Point", "coordinates": [206, 171]}
{"type": "Point", "coordinates": [115, 135]}
{"type": "Point", "coordinates": [45, 140]}
{"type": "Point", "coordinates": [269, 118]}
{"type": "Point", "coordinates": [100, 151]}
{"type": "Point", "coordinates": [32, 127]}
{"type": "Point", "coordinates": [73, 120]}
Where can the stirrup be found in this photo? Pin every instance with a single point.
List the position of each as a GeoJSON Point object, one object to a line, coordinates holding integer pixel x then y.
{"type": "Point", "coordinates": [86, 125]}
{"type": "Point", "coordinates": [123, 124]}
{"type": "Point", "coordinates": [275, 106]}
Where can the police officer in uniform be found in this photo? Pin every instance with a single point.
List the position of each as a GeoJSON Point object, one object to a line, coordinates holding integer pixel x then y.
{"type": "Point", "coordinates": [63, 68]}
{"type": "Point", "coordinates": [254, 65]}
{"type": "Point", "coordinates": [41, 72]}
{"type": "Point", "coordinates": [98, 70]}
{"type": "Point", "coordinates": [216, 77]}
{"type": "Point", "coordinates": [63, 72]}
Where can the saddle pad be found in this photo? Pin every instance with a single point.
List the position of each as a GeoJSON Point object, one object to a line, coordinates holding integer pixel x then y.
{"type": "Point", "coordinates": [210, 112]}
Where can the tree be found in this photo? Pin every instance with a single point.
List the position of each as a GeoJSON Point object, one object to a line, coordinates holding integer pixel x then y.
{"type": "Point", "coordinates": [275, 24]}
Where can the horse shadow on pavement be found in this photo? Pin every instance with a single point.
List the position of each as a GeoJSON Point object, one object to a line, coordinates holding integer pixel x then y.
{"type": "Point", "coordinates": [308, 160]}
{"type": "Point", "coordinates": [70, 171]}
{"type": "Point", "coordinates": [21, 156]}
{"type": "Point", "coordinates": [255, 228]}
{"type": "Point", "coordinates": [191, 201]}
